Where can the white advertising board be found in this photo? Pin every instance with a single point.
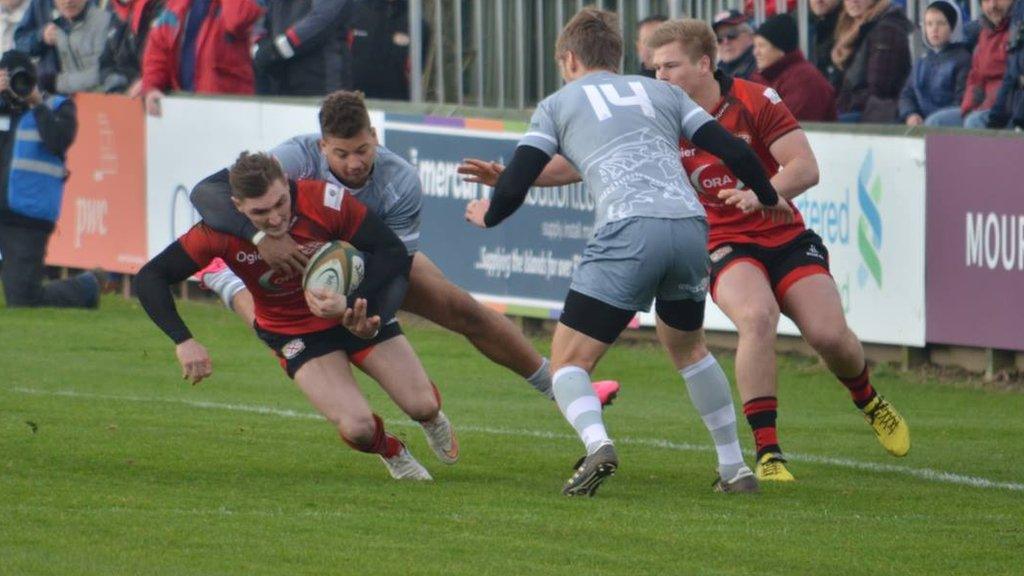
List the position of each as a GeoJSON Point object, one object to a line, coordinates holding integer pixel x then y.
{"type": "Point", "coordinates": [196, 137]}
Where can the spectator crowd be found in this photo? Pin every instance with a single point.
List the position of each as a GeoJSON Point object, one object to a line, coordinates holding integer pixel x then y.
{"type": "Point", "coordinates": [148, 48]}
{"type": "Point", "coordinates": [859, 66]}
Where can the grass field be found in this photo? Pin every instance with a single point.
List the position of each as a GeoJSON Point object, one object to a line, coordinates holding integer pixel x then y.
{"type": "Point", "coordinates": [110, 464]}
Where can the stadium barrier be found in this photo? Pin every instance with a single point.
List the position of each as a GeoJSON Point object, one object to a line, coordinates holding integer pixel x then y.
{"type": "Point", "coordinates": [128, 198]}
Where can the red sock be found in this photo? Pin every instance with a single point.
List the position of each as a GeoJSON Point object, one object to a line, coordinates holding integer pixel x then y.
{"type": "Point", "coordinates": [382, 443]}
{"type": "Point", "coordinates": [761, 414]}
{"type": "Point", "coordinates": [860, 388]}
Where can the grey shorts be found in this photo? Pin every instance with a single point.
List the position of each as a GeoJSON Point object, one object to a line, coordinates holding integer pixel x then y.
{"type": "Point", "coordinates": [630, 262]}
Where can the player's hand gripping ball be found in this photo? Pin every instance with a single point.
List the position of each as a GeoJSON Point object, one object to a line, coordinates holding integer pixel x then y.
{"type": "Point", "coordinates": [337, 267]}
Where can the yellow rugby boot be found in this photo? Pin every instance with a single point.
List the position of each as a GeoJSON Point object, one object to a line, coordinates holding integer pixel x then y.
{"type": "Point", "coordinates": [890, 428]}
{"type": "Point", "coordinates": [771, 467]}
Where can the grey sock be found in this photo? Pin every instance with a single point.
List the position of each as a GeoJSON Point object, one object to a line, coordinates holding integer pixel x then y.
{"type": "Point", "coordinates": [580, 406]}
{"type": "Point", "coordinates": [711, 396]}
{"type": "Point", "coordinates": [541, 379]}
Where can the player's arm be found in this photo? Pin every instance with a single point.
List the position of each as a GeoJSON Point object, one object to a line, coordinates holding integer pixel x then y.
{"type": "Point", "coordinates": [558, 172]}
{"type": "Point", "coordinates": [212, 198]}
{"type": "Point", "coordinates": [387, 268]}
{"type": "Point", "coordinates": [739, 157]}
{"type": "Point", "coordinates": [799, 171]}
{"type": "Point", "coordinates": [511, 189]}
{"type": "Point", "coordinates": [153, 284]}
{"type": "Point", "coordinates": [404, 216]}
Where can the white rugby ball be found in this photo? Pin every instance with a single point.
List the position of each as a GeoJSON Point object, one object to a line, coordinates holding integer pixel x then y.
{"type": "Point", "coordinates": [336, 267]}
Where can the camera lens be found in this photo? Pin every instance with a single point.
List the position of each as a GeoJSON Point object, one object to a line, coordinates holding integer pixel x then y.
{"type": "Point", "coordinates": [22, 82]}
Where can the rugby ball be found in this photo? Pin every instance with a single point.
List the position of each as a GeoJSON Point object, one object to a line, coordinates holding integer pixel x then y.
{"type": "Point", "coordinates": [336, 267]}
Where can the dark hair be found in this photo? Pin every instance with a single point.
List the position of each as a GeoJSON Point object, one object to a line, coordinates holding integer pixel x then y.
{"type": "Point", "coordinates": [343, 114]}
{"type": "Point", "coordinates": [593, 36]}
{"type": "Point", "coordinates": [253, 173]}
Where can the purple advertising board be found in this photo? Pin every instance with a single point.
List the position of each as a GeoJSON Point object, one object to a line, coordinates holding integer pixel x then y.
{"type": "Point", "coordinates": [975, 241]}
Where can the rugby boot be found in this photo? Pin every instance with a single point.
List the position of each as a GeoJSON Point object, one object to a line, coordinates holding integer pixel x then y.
{"type": "Point", "coordinates": [890, 428]}
{"type": "Point", "coordinates": [442, 439]}
{"type": "Point", "coordinates": [607, 391]}
{"type": "Point", "coordinates": [743, 482]}
{"type": "Point", "coordinates": [771, 467]}
{"type": "Point", "coordinates": [403, 466]}
{"type": "Point", "coordinates": [594, 469]}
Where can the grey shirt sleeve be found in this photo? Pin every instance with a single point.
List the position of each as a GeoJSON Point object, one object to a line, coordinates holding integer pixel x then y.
{"type": "Point", "coordinates": [692, 116]}
{"type": "Point", "coordinates": [296, 159]}
{"type": "Point", "coordinates": [404, 216]}
{"type": "Point", "coordinates": [542, 133]}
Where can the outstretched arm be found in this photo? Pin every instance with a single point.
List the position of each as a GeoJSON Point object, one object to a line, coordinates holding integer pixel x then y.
{"type": "Point", "coordinates": [153, 283]}
{"type": "Point", "coordinates": [511, 189]}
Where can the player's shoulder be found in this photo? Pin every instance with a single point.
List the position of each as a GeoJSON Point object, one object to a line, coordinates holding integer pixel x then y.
{"type": "Point", "coordinates": [392, 169]}
{"type": "Point", "coordinates": [313, 196]}
{"type": "Point", "coordinates": [755, 95]}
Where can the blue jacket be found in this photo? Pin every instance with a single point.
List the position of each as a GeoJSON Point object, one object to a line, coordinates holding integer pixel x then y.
{"type": "Point", "coordinates": [939, 78]}
{"type": "Point", "coordinates": [937, 81]}
{"type": "Point", "coordinates": [33, 144]}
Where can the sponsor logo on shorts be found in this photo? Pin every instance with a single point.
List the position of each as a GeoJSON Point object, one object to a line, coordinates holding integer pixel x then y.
{"type": "Point", "coordinates": [720, 253]}
{"type": "Point", "coordinates": [293, 348]}
{"type": "Point", "coordinates": [814, 253]}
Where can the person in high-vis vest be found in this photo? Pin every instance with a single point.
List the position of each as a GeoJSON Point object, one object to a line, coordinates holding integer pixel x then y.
{"type": "Point", "coordinates": [35, 134]}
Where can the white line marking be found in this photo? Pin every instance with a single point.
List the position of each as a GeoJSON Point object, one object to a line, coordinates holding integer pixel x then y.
{"type": "Point", "coordinates": [928, 474]}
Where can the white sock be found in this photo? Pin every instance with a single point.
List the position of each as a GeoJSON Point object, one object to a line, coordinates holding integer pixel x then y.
{"type": "Point", "coordinates": [541, 379]}
{"type": "Point", "coordinates": [580, 406]}
{"type": "Point", "coordinates": [711, 396]}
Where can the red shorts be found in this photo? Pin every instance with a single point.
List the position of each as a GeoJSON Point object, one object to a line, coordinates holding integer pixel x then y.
{"type": "Point", "coordinates": [783, 265]}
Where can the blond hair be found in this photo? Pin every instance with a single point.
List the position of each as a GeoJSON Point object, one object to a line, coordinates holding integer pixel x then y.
{"type": "Point", "coordinates": [695, 36]}
{"type": "Point", "coordinates": [848, 31]}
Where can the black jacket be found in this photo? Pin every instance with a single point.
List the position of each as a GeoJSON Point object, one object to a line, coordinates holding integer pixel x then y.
{"type": "Point", "coordinates": [57, 130]}
{"type": "Point", "coordinates": [823, 32]}
{"type": "Point", "coordinates": [318, 32]}
{"type": "Point", "coordinates": [380, 48]}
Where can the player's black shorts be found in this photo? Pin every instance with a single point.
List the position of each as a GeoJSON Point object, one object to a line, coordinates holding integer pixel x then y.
{"type": "Point", "coordinates": [295, 350]}
{"type": "Point", "coordinates": [783, 265]}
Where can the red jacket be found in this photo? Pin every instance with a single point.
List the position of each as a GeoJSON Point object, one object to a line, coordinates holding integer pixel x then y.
{"type": "Point", "coordinates": [988, 64]}
{"type": "Point", "coordinates": [807, 93]}
{"type": "Point", "coordinates": [223, 57]}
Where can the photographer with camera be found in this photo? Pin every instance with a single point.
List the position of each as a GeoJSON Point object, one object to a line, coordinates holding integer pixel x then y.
{"type": "Point", "coordinates": [35, 134]}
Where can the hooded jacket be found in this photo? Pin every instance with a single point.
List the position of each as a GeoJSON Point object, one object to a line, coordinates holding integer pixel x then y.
{"type": "Point", "coordinates": [939, 79]}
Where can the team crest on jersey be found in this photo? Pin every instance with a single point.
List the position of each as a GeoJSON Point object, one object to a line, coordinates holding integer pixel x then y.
{"type": "Point", "coordinates": [722, 252]}
{"type": "Point", "coordinates": [772, 95]}
{"type": "Point", "coordinates": [332, 196]}
{"type": "Point", "coordinates": [293, 348]}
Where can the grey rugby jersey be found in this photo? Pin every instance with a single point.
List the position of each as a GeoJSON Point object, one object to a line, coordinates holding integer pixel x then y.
{"type": "Point", "coordinates": [622, 134]}
{"type": "Point", "coordinates": [393, 191]}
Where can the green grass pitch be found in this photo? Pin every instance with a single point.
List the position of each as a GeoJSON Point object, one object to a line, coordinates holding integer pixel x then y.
{"type": "Point", "coordinates": [111, 464]}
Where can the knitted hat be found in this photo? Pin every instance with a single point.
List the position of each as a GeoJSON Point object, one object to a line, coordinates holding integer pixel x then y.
{"type": "Point", "coordinates": [947, 10]}
{"type": "Point", "coordinates": [781, 31]}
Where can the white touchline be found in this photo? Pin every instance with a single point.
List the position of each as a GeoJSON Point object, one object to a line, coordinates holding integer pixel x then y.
{"type": "Point", "coordinates": [922, 473]}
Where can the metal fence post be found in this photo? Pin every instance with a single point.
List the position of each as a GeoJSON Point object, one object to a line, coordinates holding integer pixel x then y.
{"type": "Point", "coordinates": [416, 50]}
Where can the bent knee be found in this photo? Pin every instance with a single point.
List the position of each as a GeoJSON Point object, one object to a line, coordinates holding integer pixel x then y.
{"type": "Point", "coordinates": [758, 321]}
{"type": "Point", "coordinates": [358, 432]}
{"type": "Point", "coordinates": [829, 342]}
{"type": "Point", "coordinates": [464, 315]}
